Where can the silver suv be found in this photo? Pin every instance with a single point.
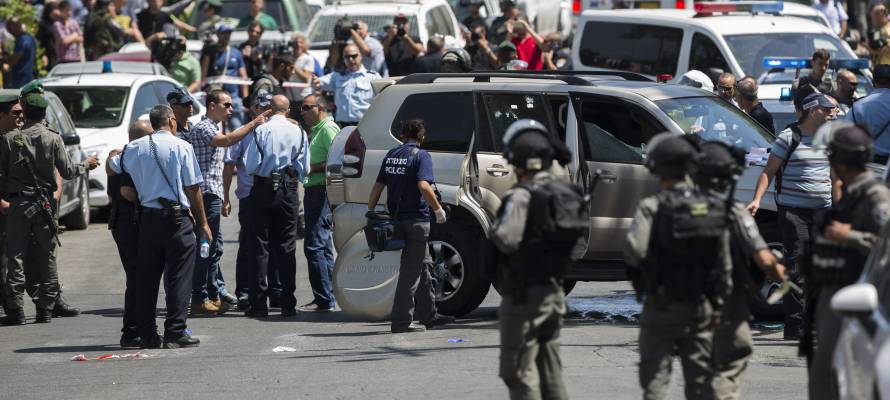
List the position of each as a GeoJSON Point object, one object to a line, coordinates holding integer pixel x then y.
{"type": "Point", "coordinates": [605, 118]}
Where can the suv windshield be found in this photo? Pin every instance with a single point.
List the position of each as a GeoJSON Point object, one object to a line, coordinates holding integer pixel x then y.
{"type": "Point", "coordinates": [94, 107]}
{"type": "Point", "coordinates": [711, 118]}
{"type": "Point", "coordinates": [750, 50]}
{"type": "Point", "coordinates": [323, 30]}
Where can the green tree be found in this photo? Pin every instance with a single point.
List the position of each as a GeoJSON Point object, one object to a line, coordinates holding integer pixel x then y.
{"type": "Point", "coordinates": [28, 15]}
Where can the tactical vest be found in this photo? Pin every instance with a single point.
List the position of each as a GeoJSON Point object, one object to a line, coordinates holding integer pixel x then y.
{"type": "Point", "coordinates": [685, 247]}
{"type": "Point", "coordinates": [838, 263]}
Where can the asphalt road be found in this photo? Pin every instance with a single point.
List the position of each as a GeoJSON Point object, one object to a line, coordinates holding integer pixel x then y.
{"type": "Point", "coordinates": [334, 358]}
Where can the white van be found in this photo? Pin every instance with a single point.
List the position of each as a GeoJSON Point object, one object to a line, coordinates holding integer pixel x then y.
{"type": "Point", "coordinates": [713, 39]}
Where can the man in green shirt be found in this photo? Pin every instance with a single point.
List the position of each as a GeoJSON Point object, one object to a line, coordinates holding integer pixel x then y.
{"type": "Point", "coordinates": [187, 71]}
{"type": "Point", "coordinates": [317, 244]}
{"type": "Point", "coordinates": [257, 14]}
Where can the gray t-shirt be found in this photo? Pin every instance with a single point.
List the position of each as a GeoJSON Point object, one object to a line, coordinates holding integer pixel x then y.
{"type": "Point", "coordinates": [376, 61]}
{"type": "Point", "coordinates": [806, 181]}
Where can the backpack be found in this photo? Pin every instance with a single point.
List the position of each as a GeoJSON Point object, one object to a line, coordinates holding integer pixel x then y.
{"type": "Point", "coordinates": [795, 142]}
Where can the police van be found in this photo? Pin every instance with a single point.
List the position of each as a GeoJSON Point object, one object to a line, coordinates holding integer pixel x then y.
{"type": "Point", "coordinates": [713, 38]}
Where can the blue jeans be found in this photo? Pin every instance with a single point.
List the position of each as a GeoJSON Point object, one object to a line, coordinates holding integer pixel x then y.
{"type": "Point", "coordinates": [208, 282]}
{"type": "Point", "coordinates": [237, 118]}
{"type": "Point", "coordinates": [318, 245]}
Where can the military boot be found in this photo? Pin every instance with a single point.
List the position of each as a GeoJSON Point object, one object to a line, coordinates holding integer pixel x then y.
{"type": "Point", "coordinates": [63, 309]}
{"type": "Point", "coordinates": [14, 316]}
{"type": "Point", "coordinates": [44, 316]}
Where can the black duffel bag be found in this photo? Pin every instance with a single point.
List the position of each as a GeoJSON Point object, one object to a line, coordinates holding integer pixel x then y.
{"type": "Point", "coordinates": [383, 233]}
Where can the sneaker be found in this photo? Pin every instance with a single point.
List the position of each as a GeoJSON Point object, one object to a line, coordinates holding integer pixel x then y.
{"type": "Point", "coordinates": [63, 309]}
{"type": "Point", "coordinates": [206, 307]}
{"type": "Point", "coordinates": [413, 328]}
{"type": "Point", "coordinates": [438, 320]}
{"type": "Point", "coordinates": [185, 340]}
{"type": "Point", "coordinates": [228, 298]}
{"type": "Point", "coordinates": [14, 316]}
{"type": "Point", "coordinates": [312, 307]}
{"type": "Point", "coordinates": [44, 316]}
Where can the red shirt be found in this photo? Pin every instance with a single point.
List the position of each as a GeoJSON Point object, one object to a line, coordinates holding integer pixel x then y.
{"type": "Point", "coordinates": [527, 50]}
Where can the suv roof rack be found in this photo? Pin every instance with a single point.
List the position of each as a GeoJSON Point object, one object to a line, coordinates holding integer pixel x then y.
{"type": "Point", "coordinates": [568, 77]}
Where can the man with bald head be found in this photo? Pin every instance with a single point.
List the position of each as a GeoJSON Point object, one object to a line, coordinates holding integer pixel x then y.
{"type": "Point", "coordinates": [352, 87]}
{"type": "Point", "coordinates": [845, 93]}
{"type": "Point", "coordinates": [276, 155]}
{"type": "Point", "coordinates": [746, 97]}
{"type": "Point", "coordinates": [726, 87]}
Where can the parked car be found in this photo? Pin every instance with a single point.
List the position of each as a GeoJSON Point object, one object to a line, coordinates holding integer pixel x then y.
{"type": "Point", "coordinates": [102, 107]}
{"type": "Point", "coordinates": [74, 205]}
{"type": "Point", "coordinates": [605, 119]}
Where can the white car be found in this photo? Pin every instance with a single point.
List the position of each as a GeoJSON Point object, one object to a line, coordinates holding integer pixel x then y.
{"type": "Point", "coordinates": [546, 15]}
{"type": "Point", "coordinates": [427, 18]}
{"type": "Point", "coordinates": [712, 40]}
{"type": "Point", "coordinates": [862, 355]}
{"type": "Point", "coordinates": [103, 106]}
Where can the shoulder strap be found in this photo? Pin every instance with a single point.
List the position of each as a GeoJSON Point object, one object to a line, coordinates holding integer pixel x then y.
{"type": "Point", "coordinates": [795, 142]}
{"type": "Point", "coordinates": [123, 151]}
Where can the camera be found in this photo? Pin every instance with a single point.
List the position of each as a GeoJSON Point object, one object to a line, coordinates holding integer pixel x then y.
{"type": "Point", "coordinates": [875, 41]}
{"type": "Point", "coordinates": [167, 51]}
{"type": "Point", "coordinates": [343, 29]}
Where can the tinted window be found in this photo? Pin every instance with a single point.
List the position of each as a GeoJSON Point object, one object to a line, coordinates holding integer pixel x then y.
{"type": "Point", "coordinates": [503, 109]}
{"type": "Point", "coordinates": [448, 118]}
{"type": "Point", "coordinates": [94, 107]}
{"type": "Point", "coordinates": [616, 132]}
{"type": "Point", "coordinates": [646, 49]}
{"type": "Point", "coordinates": [750, 50]}
{"type": "Point", "coordinates": [163, 88]}
{"type": "Point", "coordinates": [705, 54]}
{"type": "Point", "coordinates": [144, 101]}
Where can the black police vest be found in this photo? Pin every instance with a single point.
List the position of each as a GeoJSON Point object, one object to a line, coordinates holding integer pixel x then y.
{"type": "Point", "coordinates": [837, 263]}
{"type": "Point", "coordinates": [686, 247]}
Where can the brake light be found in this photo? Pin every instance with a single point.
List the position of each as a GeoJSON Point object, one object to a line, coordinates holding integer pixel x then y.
{"type": "Point", "coordinates": [353, 155]}
{"type": "Point", "coordinates": [739, 6]}
{"type": "Point", "coordinates": [664, 78]}
{"type": "Point", "coordinates": [680, 5]}
{"type": "Point", "coordinates": [576, 7]}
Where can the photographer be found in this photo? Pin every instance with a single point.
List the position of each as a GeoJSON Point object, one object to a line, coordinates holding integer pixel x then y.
{"type": "Point", "coordinates": [400, 48]}
{"type": "Point", "coordinates": [225, 60]}
{"type": "Point", "coordinates": [879, 34]}
{"type": "Point", "coordinates": [370, 47]}
{"type": "Point", "coordinates": [254, 53]}
{"type": "Point", "coordinates": [342, 35]}
{"type": "Point", "coordinates": [172, 54]}
{"type": "Point", "coordinates": [529, 45]}
{"type": "Point", "coordinates": [102, 33]}
{"type": "Point", "coordinates": [484, 56]}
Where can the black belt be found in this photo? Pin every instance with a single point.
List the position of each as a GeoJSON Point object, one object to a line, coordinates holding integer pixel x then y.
{"type": "Point", "coordinates": [262, 180]}
{"type": "Point", "coordinates": [163, 212]}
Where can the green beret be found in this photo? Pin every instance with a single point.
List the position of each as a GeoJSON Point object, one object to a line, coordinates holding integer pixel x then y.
{"type": "Point", "coordinates": [32, 87]}
{"type": "Point", "coordinates": [35, 100]}
{"type": "Point", "coordinates": [8, 98]}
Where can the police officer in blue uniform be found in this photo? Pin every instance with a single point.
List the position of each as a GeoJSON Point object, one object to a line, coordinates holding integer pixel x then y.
{"type": "Point", "coordinates": [167, 178]}
{"type": "Point", "coordinates": [277, 157]}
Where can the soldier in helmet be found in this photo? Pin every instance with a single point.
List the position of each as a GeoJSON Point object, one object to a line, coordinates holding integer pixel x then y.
{"type": "Point", "coordinates": [842, 240]}
{"type": "Point", "coordinates": [10, 119]}
{"type": "Point", "coordinates": [718, 167]}
{"type": "Point", "coordinates": [456, 61]}
{"type": "Point", "coordinates": [525, 232]}
{"type": "Point", "coordinates": [678, 259]}
{"type": "Point", "coordinates": [29, 159]}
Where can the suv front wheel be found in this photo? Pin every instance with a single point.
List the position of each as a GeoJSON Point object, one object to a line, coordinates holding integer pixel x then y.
{"type": "Point", "coordinates": [457, 280]}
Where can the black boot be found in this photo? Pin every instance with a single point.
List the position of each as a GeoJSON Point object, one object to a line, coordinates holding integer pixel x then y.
{"type": "Point", "coordinates": [63, 309]}
{"type": "Point", "coordinates": [185, 340]}
{"type": "Point", "coordinates": [14, 316]}
{"type": "Point", "coordinates": [44, 316]}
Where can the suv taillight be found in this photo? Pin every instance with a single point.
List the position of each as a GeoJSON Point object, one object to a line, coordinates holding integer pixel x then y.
{"type": "Point", "coordinates": [576, 7]}
{"type": "Point", "coordinates": [353, 155]}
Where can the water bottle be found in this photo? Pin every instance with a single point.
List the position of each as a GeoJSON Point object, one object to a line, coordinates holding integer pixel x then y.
{"type": "Point", "coordinates": [205, 248]}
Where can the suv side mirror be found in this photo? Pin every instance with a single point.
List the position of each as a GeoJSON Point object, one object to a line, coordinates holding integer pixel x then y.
{"type": "Point", "coordinates": [71, 140]}
{"type": "Point", "coordinates": [859, 298]}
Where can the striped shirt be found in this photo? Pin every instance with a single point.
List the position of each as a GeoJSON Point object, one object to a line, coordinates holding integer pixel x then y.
{"type": "Point", "coordinates": [806, 182]}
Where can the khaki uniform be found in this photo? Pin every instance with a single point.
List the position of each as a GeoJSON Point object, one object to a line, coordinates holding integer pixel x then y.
{"type": "Point", "coordinates": [30, 245]}
{"type": "Point", "coordinates": [680, 328]}
{"type": "Point", "coordinates": [868, 218]}
{"type": "Point", "coordinates": [530, 364]}
{"type": "Point", "coordinates": [733, 344]}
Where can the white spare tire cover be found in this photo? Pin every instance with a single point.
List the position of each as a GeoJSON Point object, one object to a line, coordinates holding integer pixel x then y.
{"type": "Point", "coordinates": [365, 288]}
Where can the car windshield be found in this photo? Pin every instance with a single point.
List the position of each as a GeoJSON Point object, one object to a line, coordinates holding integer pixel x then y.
{"type": "Point", "coordinates": [750, 50]}
{"type": "Point", "coordinates": [94, 107]}
{"type": "Point", "coordinates": [323, 30]}
{"type": "Point", "coordinates": [711, 118]}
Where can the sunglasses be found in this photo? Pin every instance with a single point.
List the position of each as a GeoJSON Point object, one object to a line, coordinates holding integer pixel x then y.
{"type": "Point", "coordinates": [350, 56]}
{"type": "Point", "coordinates": [226, 105]}
{"type": "Point", "coordinates": [307, 107]}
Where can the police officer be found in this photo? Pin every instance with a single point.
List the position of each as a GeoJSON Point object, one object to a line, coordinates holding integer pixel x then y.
{"type": "Point", "coordinates": [10, 119]}
{"type": "Point", "coordinates": [406, 174]}
{"type": "Point", "coordinates": [533, 302]}
{"type": "Point", "coordinates": [183, 105]}
{"type": "Point", "coordinates": [843, 238]}
{"type": "Point", "coordinates": [277, 157]}
{"type": "Point", "coordinates": [718, 167]}
{"type": "Point", "coordinates": [29, 158]}
{"type": "Point", "coordinates": [873, 111]}
{"type": "Point", "coordinates": [678, 258]}
{"type": "Point", "coordinates": [167, 177]}
{"type": "Point", "coordinates": [123, 221]}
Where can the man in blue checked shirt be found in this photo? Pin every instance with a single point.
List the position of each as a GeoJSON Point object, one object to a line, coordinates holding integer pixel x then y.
{"type": "Point", "coordinates": [167, 178]}
{"type": "Point", "coordinates": [277, 159]}
{"type": "Point", "coordinates": [352, 88]}
{"type": "Point", "coordinates": [209, 294]}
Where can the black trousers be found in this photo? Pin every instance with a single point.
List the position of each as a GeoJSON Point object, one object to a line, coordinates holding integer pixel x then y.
{"type": "Point", "coordinates": [796, 228]}
{"type": "Point", "coordinates": [272, 240]}
{"type": "Point", "coordinates": [126, 236]}
{"type": "Point", "coordinates": [166, 246]}
{"type": "Point", "coordinates": [242, 261]}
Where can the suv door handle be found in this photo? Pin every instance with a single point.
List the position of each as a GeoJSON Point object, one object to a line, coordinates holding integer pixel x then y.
{"type": "Point", "coordinates": [497, 170]}
{"type": "Point", "coordinates": [606, 176]}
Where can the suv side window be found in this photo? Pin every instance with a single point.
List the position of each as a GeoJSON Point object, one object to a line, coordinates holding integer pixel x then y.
{"type": "Point", "coordinates": [163, 88]}
{"type": "Point", "coordinates": [704, 54]}
{"type": "Point", "coordinates": [502, 109]}
{"type": "Point", "coordinates": [616, 132]}
{"type": "Point", "coordinates": [646, 49]}
{"type": "Point", "coordinates": [144, 101]}
{"type": "Point", "coordinates": [448, 118]}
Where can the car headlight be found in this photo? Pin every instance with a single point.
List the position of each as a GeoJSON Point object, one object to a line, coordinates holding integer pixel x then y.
{"type": "Point", "coordinates": [94, 151]}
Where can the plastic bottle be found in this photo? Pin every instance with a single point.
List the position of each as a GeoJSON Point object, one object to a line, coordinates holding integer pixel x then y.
{"type": "Point", "coordinates": [205, 248]}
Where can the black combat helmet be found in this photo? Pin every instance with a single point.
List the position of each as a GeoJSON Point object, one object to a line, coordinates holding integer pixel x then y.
{"type": "Point", "coordinates": [718, 165]}
{"type": "Point", "coordinates": [456, 60]}
{"type": "Point", "coordinates": [528, 145]}
{"type": "Point", "coordinates": [670, 155]}
{"type": "Point", "coordinates": [845, 143]}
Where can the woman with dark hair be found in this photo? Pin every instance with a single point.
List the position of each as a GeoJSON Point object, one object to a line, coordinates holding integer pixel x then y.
{"type": "Point", "coordinates": [45, 36]}
{"type": "Point", "coordinates": [407, 173]}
